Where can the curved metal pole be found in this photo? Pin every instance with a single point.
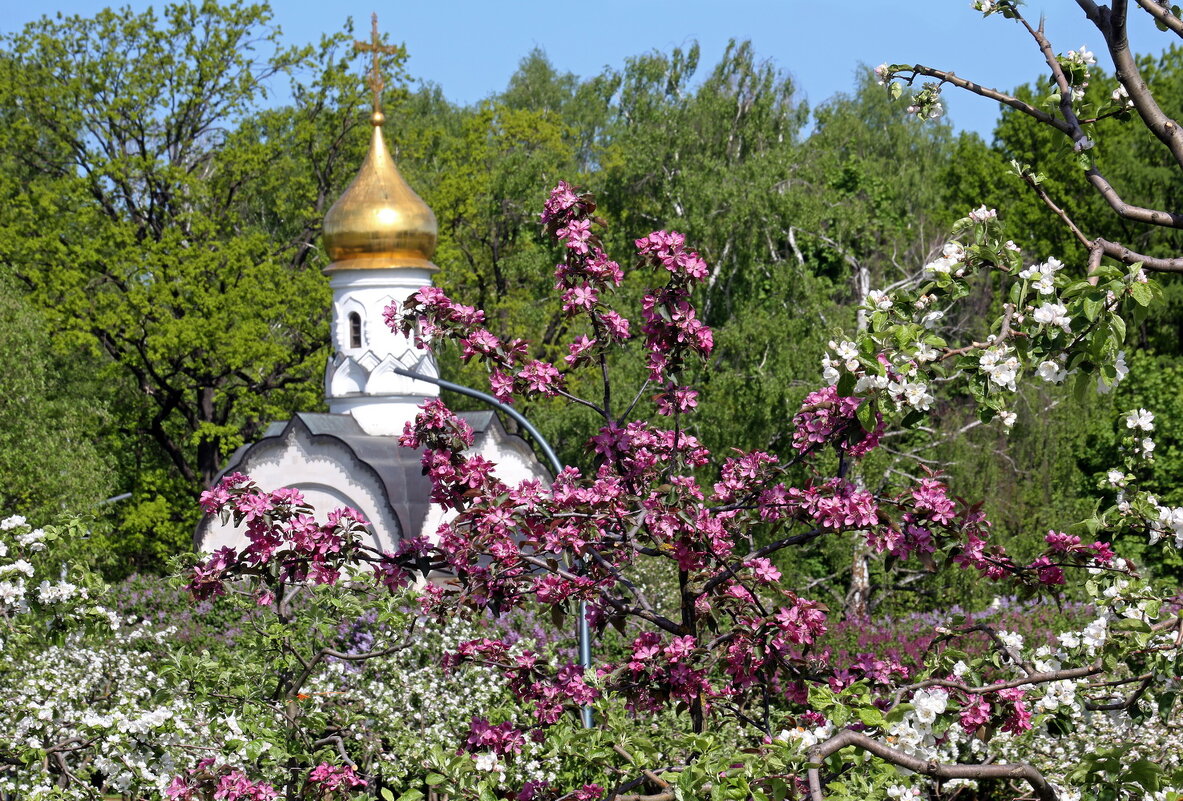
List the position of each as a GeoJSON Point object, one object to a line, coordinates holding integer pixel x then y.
{"type": "Point", "coordinates": [583, 632]}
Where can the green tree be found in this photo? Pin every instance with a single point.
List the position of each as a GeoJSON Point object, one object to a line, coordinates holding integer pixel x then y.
{"type": "Point", "coordinates": [167, 227]}
{"type": "Point", "coordinates": [51, 412]}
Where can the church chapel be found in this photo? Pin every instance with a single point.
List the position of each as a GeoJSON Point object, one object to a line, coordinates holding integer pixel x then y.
{"type": "Point", "coordinates": [380, 237]}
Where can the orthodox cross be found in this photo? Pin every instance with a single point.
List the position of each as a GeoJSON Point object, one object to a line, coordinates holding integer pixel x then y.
{"type": "Point", "coordinates": [374, 76]}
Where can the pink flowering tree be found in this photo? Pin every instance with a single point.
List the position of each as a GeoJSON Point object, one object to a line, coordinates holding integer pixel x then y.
{"type": "Point", "coordinates": [731, 660]}
{"type": "Point", "coordinates": [307, 581]}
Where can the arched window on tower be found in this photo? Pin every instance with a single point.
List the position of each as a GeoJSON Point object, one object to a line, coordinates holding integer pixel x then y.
{"type": "Point", "coordinates": [354, 330]}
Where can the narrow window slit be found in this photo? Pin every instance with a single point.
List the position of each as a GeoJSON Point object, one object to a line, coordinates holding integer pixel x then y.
{"type": "Point", "coordinates": [354, 330]}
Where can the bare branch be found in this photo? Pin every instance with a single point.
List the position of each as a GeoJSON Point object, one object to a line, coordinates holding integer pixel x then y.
{"type": "Point", "coordinates": [1111, 22]}
{"type": "Point", "coordinates": [1115, 250]}
{"type": "Point", "coordinates": [1162, 13]}
{"type": "Point", "coordinates": [1129, 211]}
{"type": "Point", "coordinates": [1098, 247]}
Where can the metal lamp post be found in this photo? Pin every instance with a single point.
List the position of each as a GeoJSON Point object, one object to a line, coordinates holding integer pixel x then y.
{"type": "Point", "coordinates": [583, 633]}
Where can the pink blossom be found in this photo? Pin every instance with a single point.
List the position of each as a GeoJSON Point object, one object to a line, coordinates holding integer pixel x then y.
{"type": "Point", "coordinates": [577, 351]}
{"type": "Point", "coordinates": [501, 386]}
{"type": "Point", "coordinates": [540, 377]}
{"type": "Point", "coordinates": [826, 417]}
{"type": "Point", "coordinates": [560, 204]}
{"type": "Point", "coordinates": [332, 777]}
{"type": "Point", "coordinates": [580, 297]}
{"type": "Point", "coordinates": [618, 327]}
{"type": "Point", "coordinates": [576, 233]}
{"type": "Point", "coordinates": [975, 713]}
{"type": "Point", "coordinates": [764, 571]}
{"type": "Point", "coordinates": [1018, 717]}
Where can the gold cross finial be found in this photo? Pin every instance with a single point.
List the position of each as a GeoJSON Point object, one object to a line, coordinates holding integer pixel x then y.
{"type": "Point", "coordinates": [374, 76]}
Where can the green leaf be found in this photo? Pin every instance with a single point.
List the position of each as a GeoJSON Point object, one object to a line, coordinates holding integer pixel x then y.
{"type": "Point", "coordinates": [434, 779]}
{"type": "Point", "coordinates": [870, 716]}
{"type": "Point", "coordinates": [897, 712]}
{"type": "Point", "coordinates": [1146, 773]}
{"type": "Point", "coordinates": [1117, 323]}
{"type": "Point", "coordinates": [1141, 293]}
{"type": "Point", "coordinates": [866, 415]}
{"type": "Point", "coordinates": [846, 384]}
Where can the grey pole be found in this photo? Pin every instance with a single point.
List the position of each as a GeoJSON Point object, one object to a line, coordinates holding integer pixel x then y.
{"type": "Point", "coordinates": [582, 630]}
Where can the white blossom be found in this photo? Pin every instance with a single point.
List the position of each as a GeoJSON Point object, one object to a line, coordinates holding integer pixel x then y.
{"type": "Point", "coordinates": [931, 319]}
{"type": "Point", "coordinates": [830, 371]}
{"type": "Point", "coordinates": [1170, 518]}
{"type": "Point", "coordinates": [49, 593]}
{"type": "Point", "coordinates": [926, 353]}
{"type": "Point", "coordinates": [929, 703]}
{"type": "Point", "coordinates": [1140, 419]}
{"type": "Point", "coordinates": [805, 738]}
{"type": "Point", "coordinates": [910, 393]}
{"type": "Point", "coordinates": [1053, 314]}
{"type": "Point", "coordinates": [12, 592]}
{"type": "Point", "coordinates": [486, 761]}
{"type": "Point", "coordinates": [19, 566]}
{"type": "Point", "coordinates": [879, 299]}
{"type": "Point", "coordinates": [847, 353]}
{"type": "Point", "coordinates": [1122, 370]}
{"type": "Point", "coordinates": [1000, 364]}
{"type": "Point", "coordinates": [941, 265]}
{"type": "Point", "coordinates": [1052, 371]}
{"type": "Point", "coordinates": [31, 538]}
{"type": "Point", "coordinates": [1095, 633]}
{"type": "Point", "coordinates": [870, 382]}
{"type": "Point", "coordinates": [1012, 640]}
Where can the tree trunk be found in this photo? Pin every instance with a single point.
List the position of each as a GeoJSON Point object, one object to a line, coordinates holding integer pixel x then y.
{"type": "Point", "coordinates": [858, 596]}
{"type": "Point", "coordinates": [208, 448]}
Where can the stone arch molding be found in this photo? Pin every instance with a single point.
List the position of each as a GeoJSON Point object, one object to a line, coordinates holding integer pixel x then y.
{"type": "Point", "coordinates": [329, 475]}
{"type": "Point", "coordinates": [349, 377]}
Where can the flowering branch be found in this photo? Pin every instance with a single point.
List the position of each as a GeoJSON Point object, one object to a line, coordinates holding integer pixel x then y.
{"type": "Point", "coordinates": [822, 751]}
{"type": "Point", "coordinates": [1069, 77]}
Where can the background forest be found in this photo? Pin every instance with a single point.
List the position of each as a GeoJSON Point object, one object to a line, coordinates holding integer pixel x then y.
{"type": "Point", "coordinates": [163, 299]}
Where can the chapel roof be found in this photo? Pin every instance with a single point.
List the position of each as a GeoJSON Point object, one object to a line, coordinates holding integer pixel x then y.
{"type": "Point", "coordinates": [397, 470]}
{"type": "Point", "coordinates": [379, 222]}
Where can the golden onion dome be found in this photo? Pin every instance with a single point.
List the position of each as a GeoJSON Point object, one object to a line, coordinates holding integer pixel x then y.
{"type": "Point", "coordinates": [379, 222]}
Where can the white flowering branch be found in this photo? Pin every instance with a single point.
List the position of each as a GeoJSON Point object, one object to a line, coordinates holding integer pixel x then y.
{"type": "Point", "coordinates": [820, 752]}
{"type": "Point", "coordinates": [909, 75]}
{"type": "Point", "coordinates": [1133, 92]}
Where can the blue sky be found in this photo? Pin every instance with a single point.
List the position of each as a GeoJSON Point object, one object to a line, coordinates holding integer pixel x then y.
{"type": "Point", "coordinates": [471, 47]}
